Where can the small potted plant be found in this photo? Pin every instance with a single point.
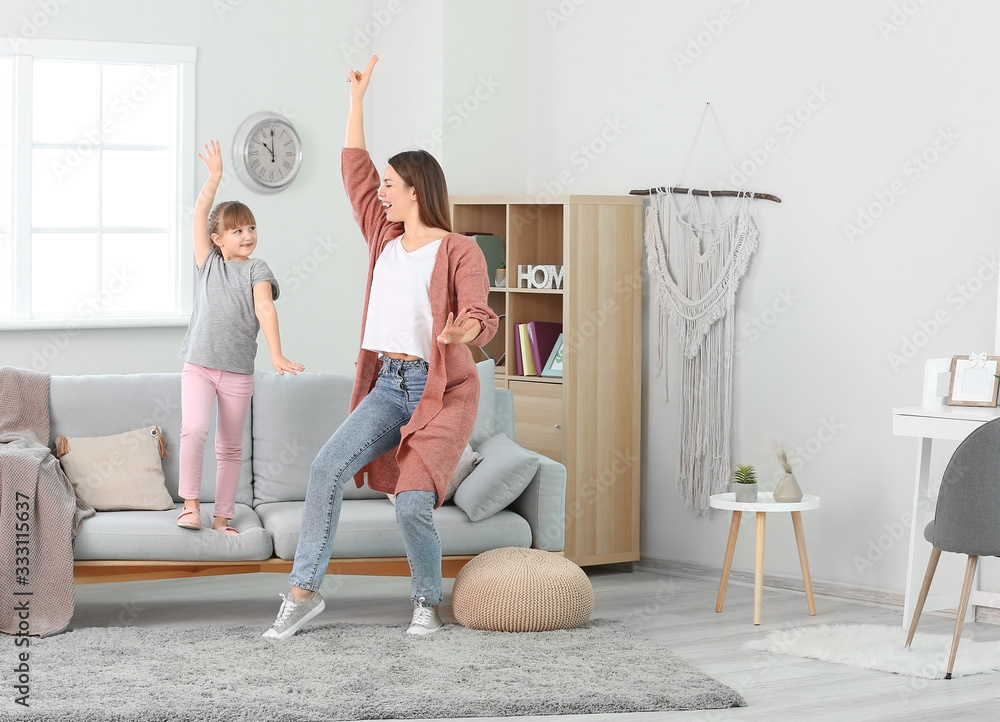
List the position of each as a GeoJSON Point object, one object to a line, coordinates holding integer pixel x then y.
{"type": "Point", "coordinates": [501, 275]}
{"type": "Point", "coordinates": [745, 479]}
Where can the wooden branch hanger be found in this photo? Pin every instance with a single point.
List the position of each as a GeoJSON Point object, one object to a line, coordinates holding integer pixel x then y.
{"type": "Point", "coordinates": [662, 189]}
{"type": "Point", "coordinates": [698, 192]}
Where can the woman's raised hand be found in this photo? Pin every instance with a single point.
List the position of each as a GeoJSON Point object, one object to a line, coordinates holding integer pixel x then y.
{"type": "Point", "coordinates": [459, 329]}
{"type": "Point", "coordinates": [213, 158]}
{"type": "Point", "coordinates": [359, 81]}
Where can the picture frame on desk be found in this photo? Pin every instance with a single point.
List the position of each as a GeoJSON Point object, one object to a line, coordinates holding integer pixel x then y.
{"type": "Point", "coordinates": [554, 365]}
{"type": "Point", "coordinates": [973, 381]}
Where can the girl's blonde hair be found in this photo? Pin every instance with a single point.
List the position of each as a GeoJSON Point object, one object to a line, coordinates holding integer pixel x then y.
{"type": "Point", "coordinates": [226, 215]}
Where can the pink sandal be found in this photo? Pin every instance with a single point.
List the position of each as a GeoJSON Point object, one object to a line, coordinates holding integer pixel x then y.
{"type": "Point", "coordinates": [189, 519]}
{"type": "Point", "coordinates": [228, 530]}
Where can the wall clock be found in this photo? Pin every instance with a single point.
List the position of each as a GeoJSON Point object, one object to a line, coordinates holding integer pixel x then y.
{"type": "Point", "coordinates": [267, 153]}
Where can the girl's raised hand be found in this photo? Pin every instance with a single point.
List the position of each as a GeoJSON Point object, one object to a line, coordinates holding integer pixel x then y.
{"type": "Point", "coordinates": [213, 158]}
{"type": "Point", "coordinates": [359, 81]}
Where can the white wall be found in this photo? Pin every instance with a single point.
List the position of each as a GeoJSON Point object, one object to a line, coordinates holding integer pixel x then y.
{"type": "Point", "coordinates": [252, 55]}
{"type": "Point", "coordinates": [545, 79]}
{"type": "Point", "coordinates": [826, 322]}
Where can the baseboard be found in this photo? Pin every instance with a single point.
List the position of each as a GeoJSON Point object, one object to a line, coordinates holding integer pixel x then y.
{"type": "Point", "coordinates": [875, 597]}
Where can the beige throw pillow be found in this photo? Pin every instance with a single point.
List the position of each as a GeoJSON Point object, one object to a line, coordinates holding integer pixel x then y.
{"type": "Point", "coordinates": [117, 473]}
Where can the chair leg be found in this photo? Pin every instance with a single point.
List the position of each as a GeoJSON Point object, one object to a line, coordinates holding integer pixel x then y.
{"type": "Point", "coordinates": [926, 587]}
{"type": "Point", "coordinates": [963, 604]}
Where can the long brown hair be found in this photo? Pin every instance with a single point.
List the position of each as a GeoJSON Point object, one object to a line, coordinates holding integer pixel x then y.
{"type": "Point", "coordinates": [420, 169]}
{"type": "Point", "coordinates": [226, 215]}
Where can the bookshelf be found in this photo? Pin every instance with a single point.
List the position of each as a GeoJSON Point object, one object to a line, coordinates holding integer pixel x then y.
{"type": "Point", "coordinates": [590, 418]}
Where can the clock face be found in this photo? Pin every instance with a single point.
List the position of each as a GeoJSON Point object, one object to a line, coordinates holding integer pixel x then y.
{"type": "Point", "coordinates": [272, 153]}
{"type": "Point", "coordinates": [267, 153]}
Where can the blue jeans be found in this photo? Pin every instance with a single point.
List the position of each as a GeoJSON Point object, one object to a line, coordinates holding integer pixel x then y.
{"type": "Point", "coordinates": [371, 430]}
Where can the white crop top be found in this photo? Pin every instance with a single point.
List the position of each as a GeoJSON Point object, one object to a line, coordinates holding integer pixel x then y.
{"type": "Point", "coordinates": [399, 307]}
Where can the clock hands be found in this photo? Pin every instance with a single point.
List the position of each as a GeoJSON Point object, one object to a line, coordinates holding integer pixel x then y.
{"type": "Point", "coordinates": [271, 149]}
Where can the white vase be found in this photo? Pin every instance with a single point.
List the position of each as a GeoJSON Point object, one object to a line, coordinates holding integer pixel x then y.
{"type": "Point", "coordinates": [501, 277]}
{"type": "Point", "coordinates": [746, 492]}
{"type": "Point", "coordinates": [788, 489]}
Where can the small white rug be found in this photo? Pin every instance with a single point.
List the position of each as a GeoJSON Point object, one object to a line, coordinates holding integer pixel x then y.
{"type": "Point", "coordinates": [874, 646]}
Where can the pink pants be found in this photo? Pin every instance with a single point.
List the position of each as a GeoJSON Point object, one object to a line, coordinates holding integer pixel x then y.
{"type": "Point", "coordinates": [200, 387]}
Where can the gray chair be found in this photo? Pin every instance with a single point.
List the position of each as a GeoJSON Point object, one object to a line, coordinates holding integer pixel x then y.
{"type": "Point", "coordinates": [967, 517]}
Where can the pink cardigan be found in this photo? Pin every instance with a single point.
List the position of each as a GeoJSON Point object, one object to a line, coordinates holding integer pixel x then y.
{"type": "Point", "coordinates": [434, 438]}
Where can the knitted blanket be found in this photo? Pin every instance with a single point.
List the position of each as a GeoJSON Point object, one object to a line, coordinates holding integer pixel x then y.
{"type": "Point", "coordinates": [40, 512]}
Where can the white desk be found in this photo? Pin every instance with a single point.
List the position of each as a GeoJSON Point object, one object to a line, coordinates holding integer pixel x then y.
{"type": "Point", "coordinates": [928, 423]}
{"type": "Point", "coordinates": [765, 503]}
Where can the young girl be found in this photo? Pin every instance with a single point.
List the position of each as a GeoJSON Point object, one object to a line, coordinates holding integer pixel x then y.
{"type": "Point", "coordinates": [416, 390]}
{"type": "Point", "coordinates": [233, 300]}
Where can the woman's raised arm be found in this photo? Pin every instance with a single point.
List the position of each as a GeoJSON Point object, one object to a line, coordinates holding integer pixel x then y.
{"type": "Point", "coordinates": [355, 118]}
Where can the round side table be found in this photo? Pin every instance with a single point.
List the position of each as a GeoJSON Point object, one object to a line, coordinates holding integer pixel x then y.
{"type": "Point", "coordinates": [765, 503]}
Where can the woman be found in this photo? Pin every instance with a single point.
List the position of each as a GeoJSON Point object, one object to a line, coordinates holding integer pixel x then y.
{"type": "Point", "coordinates": [416, 390]}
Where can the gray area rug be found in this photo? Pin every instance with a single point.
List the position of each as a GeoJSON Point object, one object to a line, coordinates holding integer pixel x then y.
{"type": "Point", "coordinates": [352, 672]}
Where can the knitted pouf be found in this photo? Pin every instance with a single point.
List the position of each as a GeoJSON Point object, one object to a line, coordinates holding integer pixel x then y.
{"type": "Point", "coordinates": [521, 590]}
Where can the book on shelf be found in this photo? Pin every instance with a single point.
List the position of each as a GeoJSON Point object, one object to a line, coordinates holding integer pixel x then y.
{"type": "Point", "coordinates": [517, 352]}
{"type": "Point", "coordinates": [527, 357]}
{"type": "Point", "coordinates": [542, 335]}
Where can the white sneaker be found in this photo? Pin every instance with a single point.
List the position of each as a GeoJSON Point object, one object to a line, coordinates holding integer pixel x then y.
{"type": "Point", "coordinates": [292, 615]}
{"type": "Point", "coordinates": [425, 619]}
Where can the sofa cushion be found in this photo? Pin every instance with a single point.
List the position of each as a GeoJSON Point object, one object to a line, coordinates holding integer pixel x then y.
{"type": "Point", "coordinates": [505, 471]}
{"type": "Point", "coordinates": [293, 416]}
{"type": "Point", "coordinates": [145, 535]}
{"type": "Point", "coordinates": [368, 528]}
{"type": "Point", "coordinates": [117, 472]}
{"type": "Point", "coordinates": [132, 401]}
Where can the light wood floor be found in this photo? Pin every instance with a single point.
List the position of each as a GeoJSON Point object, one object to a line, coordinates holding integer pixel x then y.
{"type": "Point", "coordinates": [676, 612]}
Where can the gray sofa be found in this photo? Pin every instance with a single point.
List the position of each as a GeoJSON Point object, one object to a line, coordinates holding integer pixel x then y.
{"type": "Point", "coordinates": [290, 419]}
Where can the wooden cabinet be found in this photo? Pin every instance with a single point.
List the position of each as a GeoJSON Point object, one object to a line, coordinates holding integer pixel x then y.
{"type": "Point", "coordinates": [590, 418]}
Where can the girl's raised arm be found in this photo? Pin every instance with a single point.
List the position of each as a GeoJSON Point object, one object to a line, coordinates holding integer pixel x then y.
{"type": "Point", "coordinates": [203, 206]}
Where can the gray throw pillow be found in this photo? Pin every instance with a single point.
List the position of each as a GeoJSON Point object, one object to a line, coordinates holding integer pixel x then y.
{"type": "Point", "coordinates": [465, 466]}
{"type": "Point", "coordinates": [505, 471]}
{"type": "Point", "coordinates": [486, 413]}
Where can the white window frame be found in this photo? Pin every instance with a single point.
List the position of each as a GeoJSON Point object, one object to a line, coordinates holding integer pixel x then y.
{"type": "Point", "coordinates": [24, 52]}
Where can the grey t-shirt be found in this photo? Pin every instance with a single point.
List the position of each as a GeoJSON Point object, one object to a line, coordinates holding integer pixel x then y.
{"type": "Point", "coordinates": [223, 330]}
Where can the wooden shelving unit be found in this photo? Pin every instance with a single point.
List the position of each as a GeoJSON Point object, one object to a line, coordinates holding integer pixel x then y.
{"type": "Point", "coordinates": [590, 418]}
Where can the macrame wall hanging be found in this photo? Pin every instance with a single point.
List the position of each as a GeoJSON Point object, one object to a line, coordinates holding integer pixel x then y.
{"type": "Point", "coordinates": [696, 254]}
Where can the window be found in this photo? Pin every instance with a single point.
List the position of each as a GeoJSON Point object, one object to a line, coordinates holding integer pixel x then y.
{"type": "Point", "coordinates": [96, 142]}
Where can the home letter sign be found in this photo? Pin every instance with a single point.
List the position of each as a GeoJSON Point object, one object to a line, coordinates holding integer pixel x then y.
{"type": "Point", "coordinates": [539, 276]}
